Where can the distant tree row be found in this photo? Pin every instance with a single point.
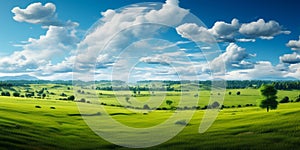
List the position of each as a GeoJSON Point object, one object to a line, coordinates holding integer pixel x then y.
{"type": "Point", "coordinates": [279, 85]}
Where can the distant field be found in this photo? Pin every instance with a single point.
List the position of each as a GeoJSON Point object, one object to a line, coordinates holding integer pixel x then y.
{"type": "Point", "coordinates": [24, 126]}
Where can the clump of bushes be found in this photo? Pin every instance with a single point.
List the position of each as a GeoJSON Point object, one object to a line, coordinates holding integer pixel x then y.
{"type": "Point", "coordinates": [285, 100]}
{"type": "Point", "coordinates": [5, 93]}
{"type": "Point", "coordinates": [16, 94]}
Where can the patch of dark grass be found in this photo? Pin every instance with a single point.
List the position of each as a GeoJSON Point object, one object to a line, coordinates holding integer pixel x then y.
{"type": "Point", "coordinates": [95, 114]}
{"type": "Point", "coordinates": [127, 114]}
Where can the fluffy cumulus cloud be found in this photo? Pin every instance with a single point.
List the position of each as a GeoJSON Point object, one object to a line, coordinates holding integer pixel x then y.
{"type": "Point", "coordinates": [225, 31]}
{"type": "Point", "coordinates": [37, 54]}
{"type": "Point", "coordinates": [262, 29]}
{"type": "Point", "coordinates": [294, 71]}
{"type": "Point", "coordinates": [294, 44]}
{"type": "Point", "coordinates": [57, 42]}
{"type": "Point", "coordinates": [196, 33]}
{"type": "Point", "coordinates": [262, 70]}
{"type": "Point", "coordinates": [117, 25]}
{"type": "Point", "coordinates": [231, 32]}
{"type": "Point", "coordinates": [163, 16]}
{"type": "Point", "coordinates": [36, 13]}
{"type": "Point", "coordinates": [290, 58]}
{"type": "Point", "coordinates": [233, 57]}
{"type": "Point", "coordinates": [220, 32]}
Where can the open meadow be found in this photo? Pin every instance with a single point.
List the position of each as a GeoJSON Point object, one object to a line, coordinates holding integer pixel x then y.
{"type": "Point", "coordinates": [53, 122]}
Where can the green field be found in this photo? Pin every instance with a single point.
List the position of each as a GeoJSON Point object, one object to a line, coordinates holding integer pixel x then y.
{"type": "Point", "coordinates": [23, 126]}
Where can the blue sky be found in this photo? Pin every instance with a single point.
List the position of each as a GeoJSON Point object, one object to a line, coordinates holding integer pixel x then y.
{"type": "Point", "coordinates": [234, 40]}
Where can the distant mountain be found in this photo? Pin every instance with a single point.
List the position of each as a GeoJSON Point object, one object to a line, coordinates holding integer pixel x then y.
{"type": "Point", "coordinates": [21, 77]}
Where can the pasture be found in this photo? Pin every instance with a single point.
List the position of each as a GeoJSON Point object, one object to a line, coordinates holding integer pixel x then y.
{"type": "Point", "coordinates": [58, 124]}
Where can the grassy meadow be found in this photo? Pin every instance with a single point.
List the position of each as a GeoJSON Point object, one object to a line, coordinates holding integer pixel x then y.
{"type": "Point", "coordinates": [50, 123]}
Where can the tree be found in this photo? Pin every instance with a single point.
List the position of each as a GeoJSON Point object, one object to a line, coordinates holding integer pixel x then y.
{"type": "Point", "coordinates": [229, 93]}
{"type": "Point", "coordinates": [238, 93]}
{"type": "Point", "coordinates": [169, 102]}
{"type": "Point", "coordinates": [44, 95]}
{"type": "Point", "coordinates": [269, 93]}
{"type": "Point", "coordinates": [71, 98]}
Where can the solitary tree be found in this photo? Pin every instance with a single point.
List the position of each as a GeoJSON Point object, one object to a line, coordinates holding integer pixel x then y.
{"type": "Point", "coordinates": [71, 98]}
{"type": "Point", "coordinates": [169, 102]}
{"type": "Point", "coordinates": [269, 94]}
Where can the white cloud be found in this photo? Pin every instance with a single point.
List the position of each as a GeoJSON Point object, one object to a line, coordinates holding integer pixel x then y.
{"type": "Point", "coordinates": [245, 40]}
{"type": "Point", "coordinates": [290, 58]}
{"type": "Point", "coordinates": [225, 31]}
{"type": "Point", "coordinates": [231, 32]}
{"type": "Point", "coordinates": [163, 15]}
{"type": "Point", "coordinates": [193, 32]}
{"type": "Point", "coordinates": [36, 13]}
{"type": "Point", "coordinates": [294, 71]}
{"type": "Point", "coordinates": [262, 70]}
{"type": "Point", "coordinates": [262, 29]}
{"type": "Point", "coordinates": [37, 53]}
{"type": "Point", "coordinates": [294, 44]}
{"type": "Point", "coordinates": [233, 57]}
{"type": "Point", "coordinates": [117, 28]}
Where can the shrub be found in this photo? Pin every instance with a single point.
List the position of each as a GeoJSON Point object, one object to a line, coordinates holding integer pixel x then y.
{"type": "Point", "coordinates": [29, 94]}
{"type": "Point", "coordinates": [164, 108]}
{"type": "Point", "coordinates": [52, 107]}
{"type": "Point", "coordinates": [229, 93]}
{"type": "Point", "coordinates": [82, 100]}
{"type": "Point", "coordinates": [298, 99]}
{"type": "Point", "coordinates": [38, 106]}
{"type": "Point", "coordinates": [238, 93]}
{"type": "Point", "coordinates": [16, 94]}
{"type": "Point", "coordinates": [146, 107]}
{"type": "Point", "coordinates": [285, 100]}
{"type": "Point", "coordinates": [181, 122]}
{"type": "Point", "coordinates": [63, 94]}
{"type": "Point", "coordinates": [239, 106]}
{"type": "Point", "coordinates": [215, 104]}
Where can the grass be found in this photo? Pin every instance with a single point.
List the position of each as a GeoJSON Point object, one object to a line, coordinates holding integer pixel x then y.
{"type": "Point", "coordinates": [22, 126]}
